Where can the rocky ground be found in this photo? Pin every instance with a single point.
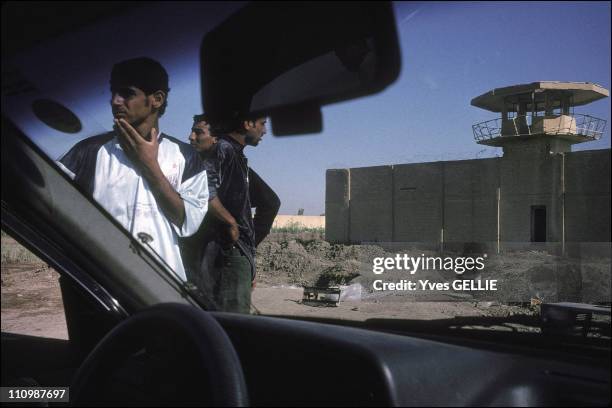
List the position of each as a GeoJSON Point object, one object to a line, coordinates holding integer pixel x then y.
{"type": "Point", "coordinates": [286, 262]}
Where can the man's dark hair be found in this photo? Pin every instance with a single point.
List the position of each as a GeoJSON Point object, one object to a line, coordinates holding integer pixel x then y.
{"type": "Point", "coordinates": [202, 117]}
{"type": "Point", "coordinates": [234, 123]}
{"type": "Point", "coordinates": [143, 73]}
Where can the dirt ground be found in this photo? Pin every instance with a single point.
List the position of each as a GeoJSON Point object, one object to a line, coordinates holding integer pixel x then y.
{"type": "Point", "coordinates": [31, 298]}
{"type": "Point", "coordinates": [308, 260]}
{"type": "Point", "coordinates": [32, 302]}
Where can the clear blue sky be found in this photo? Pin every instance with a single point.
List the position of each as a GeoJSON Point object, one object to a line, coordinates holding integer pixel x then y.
{"type": "Point", "coordinates": [451, 52]}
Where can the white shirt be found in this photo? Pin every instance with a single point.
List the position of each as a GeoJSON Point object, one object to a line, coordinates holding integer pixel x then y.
{"type": "Point", "coordinates": [126, 195]}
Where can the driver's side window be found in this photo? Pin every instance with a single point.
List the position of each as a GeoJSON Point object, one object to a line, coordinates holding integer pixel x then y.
{"type": "Point", "coordinates": [31, 297]}
{"type": "Point", "coordinates": [35, 347]}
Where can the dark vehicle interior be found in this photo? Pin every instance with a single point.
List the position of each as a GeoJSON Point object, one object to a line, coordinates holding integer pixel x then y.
{"type": "Point", "coordinates": [148, 342]}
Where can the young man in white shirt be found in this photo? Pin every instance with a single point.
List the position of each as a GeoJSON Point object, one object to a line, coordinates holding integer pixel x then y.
{"type": "Point", "coordinates": [150, 182]}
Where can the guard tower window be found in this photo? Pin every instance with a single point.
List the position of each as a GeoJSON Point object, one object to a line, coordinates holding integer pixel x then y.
{"type": "Point", "coordinates": [538, 223]}
{"type": "Point", "coordinates": [513, 112]}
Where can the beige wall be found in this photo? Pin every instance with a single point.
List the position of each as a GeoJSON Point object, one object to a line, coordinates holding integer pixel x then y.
{"type": "Point", "coordinates": [415, 202]}
{"type": "Point", "coordinates": [307, 221]}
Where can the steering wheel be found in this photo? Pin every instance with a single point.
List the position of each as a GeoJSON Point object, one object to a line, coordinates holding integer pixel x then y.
{"type": "Point", "coordinates": [169, 354]}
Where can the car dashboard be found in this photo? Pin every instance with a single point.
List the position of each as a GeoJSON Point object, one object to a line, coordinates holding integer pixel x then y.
{"type": "Point", "coordinates": [305, 363]}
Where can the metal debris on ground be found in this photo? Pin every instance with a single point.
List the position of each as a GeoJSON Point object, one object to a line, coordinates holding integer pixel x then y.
{"type": "Point", "coordinates": [535, 301]}
{"type": "Point", "coordinates": [320, 296]}
{"type": "Point", "coordinates": [566, 318]}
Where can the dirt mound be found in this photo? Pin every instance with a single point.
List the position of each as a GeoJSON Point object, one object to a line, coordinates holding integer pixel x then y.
{"type": "Point", "coordinates": [305, 259]}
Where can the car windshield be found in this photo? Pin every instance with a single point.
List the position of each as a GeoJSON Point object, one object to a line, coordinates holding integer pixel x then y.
{"type": "Point", "coordinates": [477, 184]}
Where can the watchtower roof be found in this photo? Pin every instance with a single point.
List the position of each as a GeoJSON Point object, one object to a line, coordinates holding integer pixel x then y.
{"type": "Point", "coordinates": [580, 93]}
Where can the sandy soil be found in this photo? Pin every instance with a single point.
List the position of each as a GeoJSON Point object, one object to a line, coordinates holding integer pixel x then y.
{"type": "Point", "coordinates": [288, 301]}
{"type": "Point", "coordinates": [32, 302]}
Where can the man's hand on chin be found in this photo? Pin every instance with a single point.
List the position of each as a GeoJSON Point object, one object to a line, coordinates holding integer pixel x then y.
{"type": "Point", "coordinates": [142, 152]}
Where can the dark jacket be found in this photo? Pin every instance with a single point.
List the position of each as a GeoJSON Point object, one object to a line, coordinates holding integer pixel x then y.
{"type": "Point", "coordinates": [239, 189]}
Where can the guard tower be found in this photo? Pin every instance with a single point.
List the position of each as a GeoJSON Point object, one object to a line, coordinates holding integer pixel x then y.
{"type": "Point", "coordinates": [539, 117]}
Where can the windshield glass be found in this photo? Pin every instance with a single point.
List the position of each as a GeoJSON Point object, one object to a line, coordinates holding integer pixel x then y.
{"type": "Point", "coordinates": [477, 184]}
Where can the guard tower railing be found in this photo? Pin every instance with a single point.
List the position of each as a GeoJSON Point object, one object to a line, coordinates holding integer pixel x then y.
{"type": "Point", "coordinates": [526, 125]}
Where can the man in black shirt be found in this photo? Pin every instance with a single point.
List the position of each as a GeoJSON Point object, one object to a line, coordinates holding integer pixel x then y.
{"type": "Point", "coordinates": [227, 260]}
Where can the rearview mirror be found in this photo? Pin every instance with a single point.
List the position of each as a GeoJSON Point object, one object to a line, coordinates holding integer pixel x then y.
{"type": "Point", "coordinates": [286, 60]}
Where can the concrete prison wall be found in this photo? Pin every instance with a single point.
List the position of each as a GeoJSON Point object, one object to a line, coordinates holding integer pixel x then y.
{"type": "Point", "coordinates": [587, 196]}
{"type": "Point", "coordinates": [472, 200]}
{"type": "Point", "coordinates": [413, 202]}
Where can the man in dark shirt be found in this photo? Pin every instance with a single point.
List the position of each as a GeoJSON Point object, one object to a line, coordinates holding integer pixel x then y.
{"type": "Point", "coordinates": [227, 261]}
